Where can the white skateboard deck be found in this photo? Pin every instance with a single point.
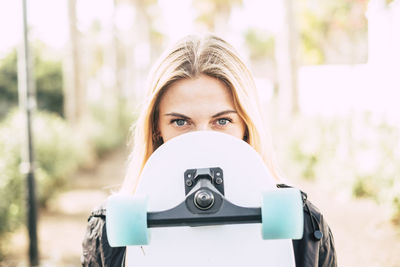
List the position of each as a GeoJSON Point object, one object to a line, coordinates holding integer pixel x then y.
{"type": "Point", "coordinates": [245, 178]}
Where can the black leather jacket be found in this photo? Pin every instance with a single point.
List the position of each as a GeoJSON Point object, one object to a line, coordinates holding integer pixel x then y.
{"type": "Point", "coordinates": [316, 248]}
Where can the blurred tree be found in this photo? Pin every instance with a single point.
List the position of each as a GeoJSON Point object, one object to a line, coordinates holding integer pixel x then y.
{"type": "Point", "coordinates": [287, 61]}
{"type": "Point", "coordinates": [261, 45]}
{"type": "Point", "coordinates": [214, 14]}
{"type": "Point", "coordinates": [119, 62]}
{"type": "Point", "coordinates": [316, 32]}
{"type": "Point", "coordinates": [146, 13]}
{"type": "Point", "coordinates": [130, 57]}
{"type": "Point", "coordinates": [147, 42]}
{"type": "Point", "coordinates": [261, 49]}
{"type": "Point", "coordinates": [8, 83]}
{"type": "Point", "coordinates": [75, 93]}
{"type": "Point", "coordinates": [118, 55]}
{"type": "Point", "coordinates": [48, 83]}
{"type": "Point", "coordinates": [333, 31]}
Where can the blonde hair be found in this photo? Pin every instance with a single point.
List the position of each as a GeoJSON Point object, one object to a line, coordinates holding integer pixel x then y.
{"type": "Point", "coordinates": [190, 57]}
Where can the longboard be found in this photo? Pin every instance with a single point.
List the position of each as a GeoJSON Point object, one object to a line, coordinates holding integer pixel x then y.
{"type": "Point", "coordinates": [206, 199]}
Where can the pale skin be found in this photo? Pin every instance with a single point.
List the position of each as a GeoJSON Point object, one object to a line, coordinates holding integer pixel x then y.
{"type": "Point", "coordinates": [203, 103]}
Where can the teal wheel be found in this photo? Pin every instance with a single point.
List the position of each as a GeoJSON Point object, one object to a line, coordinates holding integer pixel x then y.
{"type": "Point", "coordinates": [126, 220]}
{"type": "Point", "coordinates": [282, 214]}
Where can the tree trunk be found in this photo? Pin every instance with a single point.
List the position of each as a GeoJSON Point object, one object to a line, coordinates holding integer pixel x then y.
{"type": "Point", "coordinates": [74, 92]}
{"type": "Point", "coordinates": [286, 58]}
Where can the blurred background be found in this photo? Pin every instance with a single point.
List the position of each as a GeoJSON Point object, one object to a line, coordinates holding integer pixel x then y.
{"type": "Point", "coordinates": [328, 74]}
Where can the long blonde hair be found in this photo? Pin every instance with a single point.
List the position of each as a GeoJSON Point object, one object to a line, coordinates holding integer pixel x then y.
{"type": "Point", "coordinates": [189, 58]}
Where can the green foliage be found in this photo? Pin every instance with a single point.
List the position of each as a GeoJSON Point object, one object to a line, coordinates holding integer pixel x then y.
{"type": "Point", "coordinates": [332, 31]}
{"type": "Point", "coordinates": [48, 83]}
{"type": "Point", "coordinates": [396, 212]}
{"type": "Point", "coordinates": [49, 86]}
{"type": "Point", "coordinates": [108, 126]}
{"type": "Point", "coordinates": [210, 10]}
{"type": "Point", "coordinates": [360, 153]}
{"type": "Point", "coordinates": [365, 186]}
{"type": "Point", "coordinates": [59, 152]}
{"type": "Point", "coordinates": [314, 30]}
{"type": "Point", "coordinates": [309, 144]}
{"type": "Point", "coordinates": [8, 83]}
{"type": "Point", "coordinates": [376, 153]}
{"type": "Point", "coordinates": [260, 44]}
{"type": "Point", "coordinates": [11, 184]}
{"type": "Point", "coordinates": [307, 161]}
{"type": "Point", "coordinates": [389, 2]}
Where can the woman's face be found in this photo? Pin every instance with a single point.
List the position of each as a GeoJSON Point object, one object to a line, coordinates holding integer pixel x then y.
{"type": "Point", "coordinates": [200, 104]}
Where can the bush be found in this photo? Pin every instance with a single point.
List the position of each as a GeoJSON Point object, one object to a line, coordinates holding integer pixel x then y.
{"type": "Point", "coordinates": [359, 154]}
{"type": "Point", "coordinates": [108, 126]}
{"type": "Point", "coordinates": [396, 211]}
{"type": "Point", "coordinates": [307, 147]}
{"type": "Point", "coordinates": [11, 184]}
{"type": "Point", "coordinates": [59, 152]}
{"type": "Point", "coordinates": [48, 83]}
{"type": "Point", "coordinates": [8, 83]}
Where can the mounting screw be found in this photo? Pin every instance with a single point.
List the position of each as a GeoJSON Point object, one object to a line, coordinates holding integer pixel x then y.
{"type": "Point", "coordinates": [189, 182]}
{"type": "Point", "coordinates": [218, 180]}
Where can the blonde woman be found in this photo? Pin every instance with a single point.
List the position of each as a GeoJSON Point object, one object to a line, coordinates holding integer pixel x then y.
{"type": "Point", "coordinates": [202, 84]}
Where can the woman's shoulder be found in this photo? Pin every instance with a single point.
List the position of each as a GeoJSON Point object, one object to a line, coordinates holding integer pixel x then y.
{"type": "Point", "coordinates": [308, 207]}
{"type": "Point", "coordinates": [317, 247]}
{"type": "Point", "coordinates": [96, 250]}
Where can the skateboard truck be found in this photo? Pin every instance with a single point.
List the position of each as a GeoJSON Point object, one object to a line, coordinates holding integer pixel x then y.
{"type": "Point", "coordinates": [202, 196]}
{"type": "Point", "coordinates": [204, 204]}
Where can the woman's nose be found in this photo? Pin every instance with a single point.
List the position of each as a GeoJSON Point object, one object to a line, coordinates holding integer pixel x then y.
{"type": "Point", "coordinates": [203, 127]}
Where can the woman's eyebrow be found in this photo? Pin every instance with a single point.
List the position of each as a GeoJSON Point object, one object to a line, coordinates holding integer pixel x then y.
{"type": "Point", "coordinates": [223, 113]}
{"type": "Point", "coordinates": [174, 114]}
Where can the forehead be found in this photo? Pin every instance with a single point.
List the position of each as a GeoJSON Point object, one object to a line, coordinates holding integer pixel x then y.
{"type": "Point", "coordinates": [194, 91]}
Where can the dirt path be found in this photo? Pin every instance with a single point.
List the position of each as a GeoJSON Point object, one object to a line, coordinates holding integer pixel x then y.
{"type": "Point", "coordinates": [363, 235]}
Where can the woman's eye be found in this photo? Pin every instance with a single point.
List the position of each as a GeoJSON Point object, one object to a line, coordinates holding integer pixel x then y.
{"type": "Point", "coordinates": [179, 122]}
{"type": "Point", "coordinates": [222, 122]}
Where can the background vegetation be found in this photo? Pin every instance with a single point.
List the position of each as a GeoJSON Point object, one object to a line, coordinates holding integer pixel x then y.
{"type": "Point", "coordinates": [88, 89]}
{"type": "Point", "coordinates": [60, 148]}
{"type": "Point", "coordinates": [356, 154]}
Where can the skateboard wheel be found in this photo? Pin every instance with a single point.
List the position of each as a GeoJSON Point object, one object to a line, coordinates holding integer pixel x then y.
{"type": "Point", "coordinates": [282, 214]}
{"type": "Point", "coordinates": [126, 220]}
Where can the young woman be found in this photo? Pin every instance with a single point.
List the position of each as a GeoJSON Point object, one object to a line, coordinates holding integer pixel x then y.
{"type": "Point", "coordinates": [202, 84]}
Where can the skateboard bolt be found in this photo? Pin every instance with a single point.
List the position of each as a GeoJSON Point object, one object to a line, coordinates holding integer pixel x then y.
{"type": "Point", "coordinates": [189, 182]}
{"type": "Point", "coordinates": [204, 199]}
{"type": "Point", "coordinates": [218, 180]}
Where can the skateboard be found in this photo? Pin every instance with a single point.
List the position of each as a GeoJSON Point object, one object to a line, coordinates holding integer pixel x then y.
{"type": "Point", "coordinates": [206, 199]}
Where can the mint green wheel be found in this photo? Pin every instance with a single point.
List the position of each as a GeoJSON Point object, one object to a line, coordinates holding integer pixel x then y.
{"type": "Point", "coordinates": [282, 214]}
{"type": "Point", "coordinates": [126, 220]}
